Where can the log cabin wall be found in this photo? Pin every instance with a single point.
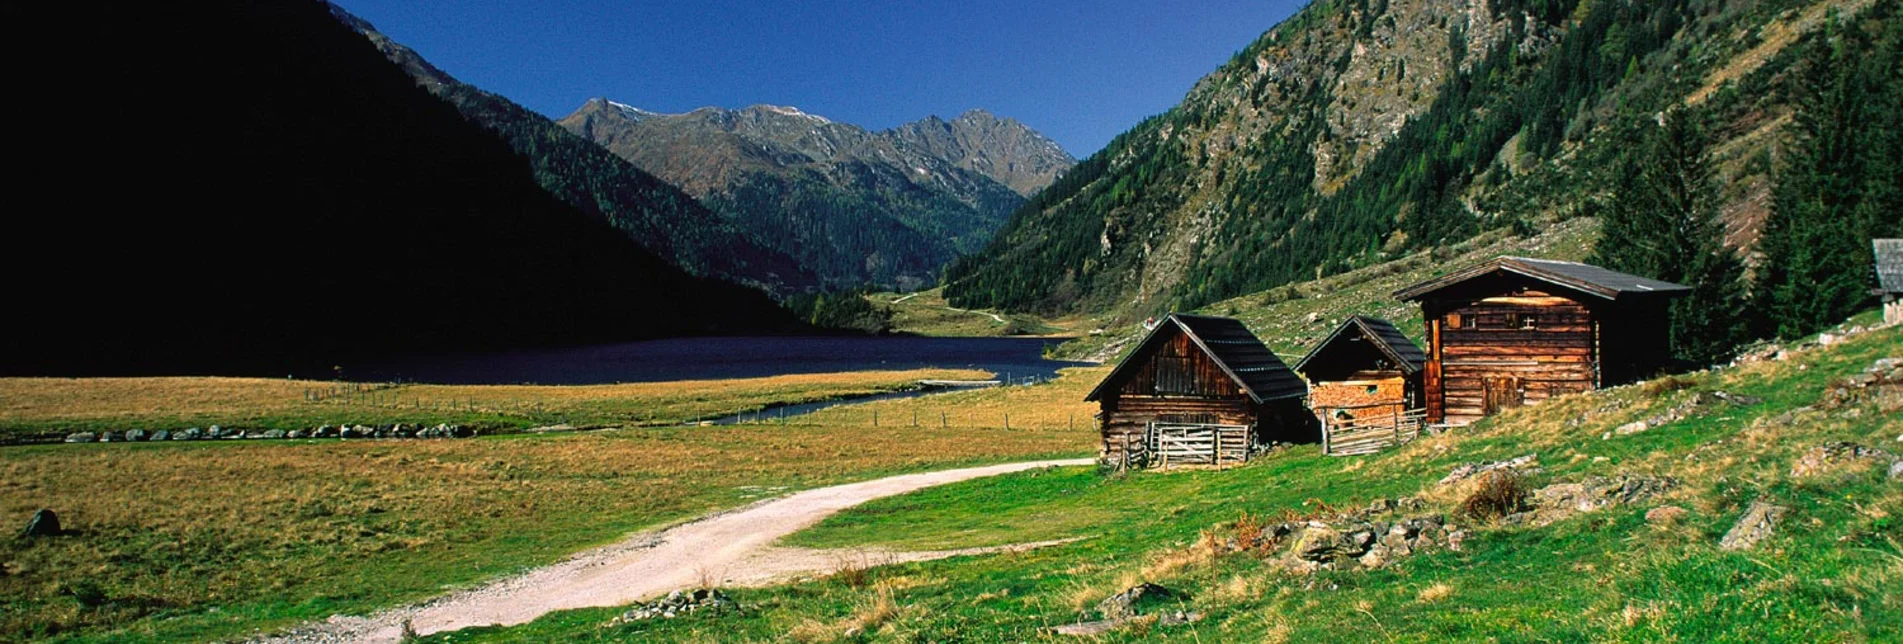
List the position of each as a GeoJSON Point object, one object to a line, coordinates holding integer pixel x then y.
{"type": "Point", "coordinates": [1499, 352]}
{"type": "Point", "coordinates": [1127, 417]}
{"type": "Point", "coordinates": [1175, 383]}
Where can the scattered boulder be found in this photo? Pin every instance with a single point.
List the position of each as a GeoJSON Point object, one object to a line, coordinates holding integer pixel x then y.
{"type": "Point", "coordinates": [1740, 400]}
{"type": "Point", "coordinates": [1561, 500]}
{"type": "Point", "coordinates": [43, 524]}
{"type": "Point", "coordinates": [161, 435]}
{"type": "Point", "coordinates": [679, 603]}
{"type": "Point", "coordinates": [215, 432]}
{"type": "Point", "coordinates": [296, 434]}
{"type": "Point", "coordinates": [1134, 599]}
{"type": "Point", "coordinates": [273, 434]}
{"type": "Point", "coordinates": [135, 435]}
{"type": "Point", "coordinates": [1758, 522]}
{"type": "Point", "coordinates": [1525, 463]}
{"type": "Point", "coordinates": [108, 437]}
{"type": "Point", "coordinates": [1830, 456]}
{"type": "Point", "coordinates": [1896, 470]}
{"type": "Point", "coordinates": [81, 437]}
{"type": "Point", "coordinates": [1666, 515]}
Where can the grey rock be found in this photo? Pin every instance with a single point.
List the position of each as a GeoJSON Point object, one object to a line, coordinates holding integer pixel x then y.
{"type": "Point", "coordinates": [135, 435]}
{"type": "Point", "coordinates": [297, 433]}
{"type": "Point", "coordinates": [1129, 603]}
{"type": "Point", "coordinates": [1759, 521]}
{"type": "Point", "coordinates": [81, 437]}
{"type": "Point", "coordinates": [109, 437]}
{"type": "Point", "coordinates": [1830, 456]}
{"type": "Point", "coordinates": [163, 434]}
{"type": "Point", "coordinates": [44, 523]}
{"type": "Point", "coordinates": [273, 434]}
{"type": "Point", "coordinates": [214, 432]}
{"type": "Point", "coordinates": [1896, 470]}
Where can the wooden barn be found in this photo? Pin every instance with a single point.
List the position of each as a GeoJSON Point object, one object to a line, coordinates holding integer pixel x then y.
{"type": "Point", "coordinates": [1364, 385]}
{"type": "Point", "coordinates": [1199, 390]}
{"type": "Point", "coordinates": [1889, 254]}
{"type": "Point", "coordinates": [1515, 330]}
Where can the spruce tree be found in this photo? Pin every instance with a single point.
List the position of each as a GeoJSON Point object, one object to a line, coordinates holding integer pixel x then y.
{"type": "Point", "coordinates": [1816, 243]}
{"type": "Point", "coordinates": [1663, 223]}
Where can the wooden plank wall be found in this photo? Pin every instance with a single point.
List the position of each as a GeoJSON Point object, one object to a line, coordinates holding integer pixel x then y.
{"type": "Point", "coordinates": [1518, 365]}
{"type": "Point", "coordinates": [1126, 417]}
{"type": "Point", "coordinates": [1179, 367]}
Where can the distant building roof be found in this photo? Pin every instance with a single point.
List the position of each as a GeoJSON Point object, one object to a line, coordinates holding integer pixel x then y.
{"type": "Point", "coordinates": [1380, 334]}
{"type": "Point", "coordinates": [1240, 354]}
{"type": "Point", "coordinates": [1586, 278]}
{"type": "Point", "coordinates": [1889, 254]}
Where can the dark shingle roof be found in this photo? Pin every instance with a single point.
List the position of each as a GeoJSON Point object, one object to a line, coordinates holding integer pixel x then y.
{"type": "Point", "coordinates": [1585, 278]}
{"type": "Point", "coordinates": [1238, 352]}
{"type": "Point", "coordinates": [1889, 254]}
{"type": "Point", "coordinates": [1382, 334]}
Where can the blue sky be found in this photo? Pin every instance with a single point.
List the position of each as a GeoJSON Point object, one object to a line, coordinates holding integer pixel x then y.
{"type": "Point", "coordinates": [1080, 72]}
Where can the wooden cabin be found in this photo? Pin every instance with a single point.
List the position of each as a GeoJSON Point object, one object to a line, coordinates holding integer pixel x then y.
{"type": "Point", "coordinates": [1517, 331]}
{"type": "Point", "coordinates": [1365, 369]}
{"type": "Point", "coordinates": [1889, 256]}
{"type": "Point", "coordinates": [1199, 390]}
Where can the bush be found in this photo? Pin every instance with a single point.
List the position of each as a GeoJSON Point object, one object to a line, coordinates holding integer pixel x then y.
{"type": "Point", "coordinates": [1501, 493]}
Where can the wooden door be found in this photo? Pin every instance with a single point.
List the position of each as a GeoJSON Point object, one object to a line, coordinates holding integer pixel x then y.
{"type": "Point", "coordinates": [1502, 393]}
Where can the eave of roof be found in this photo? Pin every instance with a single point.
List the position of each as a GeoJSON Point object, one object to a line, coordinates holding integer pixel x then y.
{"type": "Point", "coordinates": [1181, 322]}
{"type": "Point", "coordinates": [1585, 278]}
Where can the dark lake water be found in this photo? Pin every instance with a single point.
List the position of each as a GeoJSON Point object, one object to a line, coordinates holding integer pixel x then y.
{"type": "Point", "coordinates": [713, 358]}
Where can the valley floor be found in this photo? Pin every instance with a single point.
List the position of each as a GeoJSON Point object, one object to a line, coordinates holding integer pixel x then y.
{"type": "Point", "coordinates": [214, 540]}
{"type": "Point", "coordinates": [1642, 565]}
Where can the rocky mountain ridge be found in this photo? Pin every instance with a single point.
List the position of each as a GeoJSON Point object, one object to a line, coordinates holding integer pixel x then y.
{"type": "Point", "coordinates": [887, 207]}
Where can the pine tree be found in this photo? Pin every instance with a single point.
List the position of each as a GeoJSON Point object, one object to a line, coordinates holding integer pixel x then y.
{"type": "Point", "coordinates": [1816, 241]}
{"type": "Point", "coordinates": [1663, 224]}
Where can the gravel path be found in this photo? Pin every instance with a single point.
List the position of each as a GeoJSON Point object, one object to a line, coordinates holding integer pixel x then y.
{"type": "Point", "coordinates": [732, 548]}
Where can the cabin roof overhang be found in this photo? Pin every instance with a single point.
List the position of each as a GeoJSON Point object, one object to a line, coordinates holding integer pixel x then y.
{"type": "Point", "coordinates": [1382, 334]}
{"type": "Point", "coordinates": [1238, 353]}
{"type": "Point", "coordinates": [1602, 283]}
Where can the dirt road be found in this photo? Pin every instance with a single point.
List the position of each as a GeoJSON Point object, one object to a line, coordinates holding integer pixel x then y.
{"type": "Point", "coordinates": [733, 548]}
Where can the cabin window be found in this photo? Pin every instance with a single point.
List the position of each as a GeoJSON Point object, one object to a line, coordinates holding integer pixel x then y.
{"type": "Point", "coordinates": [1522, 321]}
{"type": "Point", "coordinates": [1373, 389]}
{"type": "Point", "coordinates": [1453, 320]}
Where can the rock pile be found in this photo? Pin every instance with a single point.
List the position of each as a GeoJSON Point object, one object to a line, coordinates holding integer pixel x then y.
{"type": "Point", "coordinates": [1368, 538]}
{"type": "Point", "coordinates": [1758, 522]}
{"type": "Point", "coordinates": [1831, 456]}
{"type": "Point", "coordinates": [216, 432]}
{"type": "Point", "coordinates": [1882, 382]}
{"type": "Point", "coordinates": [678, 603]}
{"type": "Point", "coordinates": [1524, 464]}
{"type": "Point", "coordinates": [1561, 500]}
{"type": "Point", "coordinates": [1698, 403]}
{"type": "Point", "coordinates": [1132, 605]}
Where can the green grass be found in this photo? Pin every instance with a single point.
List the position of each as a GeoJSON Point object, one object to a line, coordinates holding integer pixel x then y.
{"type": "Point", "coordinates": [1829, 574]}
{"type": "Point", "coordinates": [927, 313]}
{"type": "Point", "coordinates": [195, 541]}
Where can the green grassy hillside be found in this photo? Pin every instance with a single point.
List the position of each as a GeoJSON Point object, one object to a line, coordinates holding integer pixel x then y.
{"type": "Point", "coordinates": [1626, 572]}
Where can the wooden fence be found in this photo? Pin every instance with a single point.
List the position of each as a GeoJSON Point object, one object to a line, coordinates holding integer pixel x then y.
{"type": "Point", "coordinates": [1371, 430]}
{"type": "Point", "coordinates": [1167, 444]}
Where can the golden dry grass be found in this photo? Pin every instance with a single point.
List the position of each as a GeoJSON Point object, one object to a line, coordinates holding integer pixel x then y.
{"type": "Point", "coordinates": [274, 532]}
{"type": "Point", "coordinates": [171, 403]}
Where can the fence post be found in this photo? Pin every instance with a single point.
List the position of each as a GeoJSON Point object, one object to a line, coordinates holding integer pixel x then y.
{"type": "Point", "coordinates": [1396, 412]}
{"type": "Point", "coordinates": [875, 418]}
{"type": "Point", "coordinates": [943, 422]}
{"type": "Point", "coordinates": [1007, 422]}
{"type": "Point", "coordinates": [1324, 417]}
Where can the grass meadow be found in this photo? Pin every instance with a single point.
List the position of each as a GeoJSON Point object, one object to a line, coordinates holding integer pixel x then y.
{"type": "Point", "coordinates": [54, 406]}
{"type": "Point", "coordinates": [1830, 572]}
{"type": "Point", "coordinates": [216, 540]}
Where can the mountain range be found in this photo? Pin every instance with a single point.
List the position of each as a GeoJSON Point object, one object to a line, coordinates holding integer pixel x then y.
{"type": "Point", "coordinates": [273, 196]}
{"type": "Point", "coordinates": [855, 206]}
{"type": "Point", "coordinates": [1358, 131]}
